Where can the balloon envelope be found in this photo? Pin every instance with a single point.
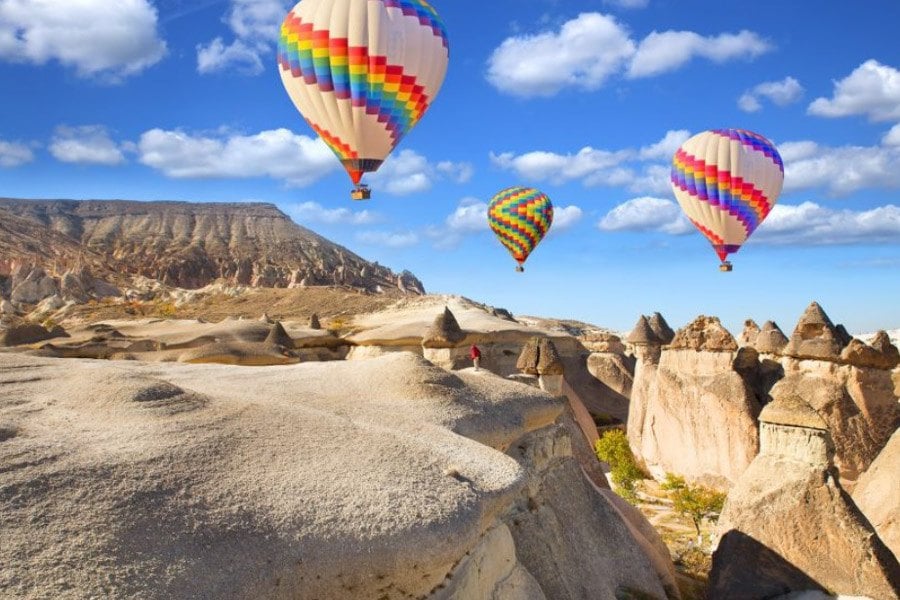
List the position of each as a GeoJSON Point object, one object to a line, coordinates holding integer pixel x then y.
{"type": "Point", "coordinates": [362, 72]}
{"type": "Point", "coordinates": [727, 181]}
{"type": "Point", "coordinates": [520, 218]}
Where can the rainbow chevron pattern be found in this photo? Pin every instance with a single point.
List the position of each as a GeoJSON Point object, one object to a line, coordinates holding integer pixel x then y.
{"type": "Point", "coordinates": [520, 218]}
{"type": "Point", "coordinates": [727, 181]}
{"type": "Point", "coordinates": [331, 77]}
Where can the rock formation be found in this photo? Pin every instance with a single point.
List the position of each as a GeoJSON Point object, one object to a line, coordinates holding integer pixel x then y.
{"type": "Point", "coordinates": [693, 410]}
{"type": "Point", "coordinates": [177, 243]}
{"type": "Point", "coordinates": [445, 332]}
{"type": "Point", "coordinates": [614, 371]}
{"type": "Point", "coordinates": [879, 354]}
{"type": "Point", "coordinates": [172, 482]}
{"type": "Point", "coordinates": [789, 526]}
{"type": "Point", "coordinates": [876, 494]}
{"type": "Point", "coordinates": [816, 337]}
{"type": "Point", "coordinates": [771, 340]}
{"type": "Point", "coordinates": [17, 332]}
{"type": "Point", "coordinates": [279, 337]}
{"type": "Point", "coordinates": [660, 328]}
{"type": "Point", "coordinates": [750, 333]}
{"type": "Point", "coordinates": [540, 357]}
{"type": "Point", "coordinates": [314, 322]}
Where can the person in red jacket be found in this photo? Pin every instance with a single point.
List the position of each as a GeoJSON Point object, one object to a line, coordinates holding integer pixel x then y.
{"type": "Point", "coordinates": [475, 355]}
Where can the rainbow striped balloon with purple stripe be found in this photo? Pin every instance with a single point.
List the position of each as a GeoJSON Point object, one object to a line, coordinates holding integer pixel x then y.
{"type": "Point", "coordinates": [727, 181]}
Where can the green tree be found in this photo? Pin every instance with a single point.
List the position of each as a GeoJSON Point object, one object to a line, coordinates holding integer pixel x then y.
{"type": "Point", "coordinates": [613, 449]}
{"type": "Point", "coordinates": [694, 502]}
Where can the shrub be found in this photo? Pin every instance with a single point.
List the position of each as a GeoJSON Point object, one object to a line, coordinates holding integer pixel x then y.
{"type": "Point", "coordinates": [694, 502]}
{"type": "Point", "coordinates": [613, 449]}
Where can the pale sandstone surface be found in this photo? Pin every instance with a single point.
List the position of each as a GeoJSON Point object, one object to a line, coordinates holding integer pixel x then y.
{"type": "Point", "coordinates": [339, 480]}
{"type": "Point", "coordinates": [773, 544]}
{"type": "Point", "coordinates": [877, 494]}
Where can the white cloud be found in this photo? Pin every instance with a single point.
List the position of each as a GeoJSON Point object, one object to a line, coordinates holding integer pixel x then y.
{"type": "Point", "coordinates": [666, 147]}
{"type": "Point", "coordinates": [256, 25]}
{"type": "Point", "coordinates": [782, 93]}
{"type": "Point", "coordinates": [841, 170]}
{"type": "Point", "coordinates": [565, 217]}
{"type": "Point", "coordinates": [279, 153]}
{"type": "Point", "coordinates": [456, 172]}
{"type": "Point", "coordinates": [88, 144]}
{"type": "Point", "coordinates": [811, 224]}
{"type": "Point", "coordinates": [390, 239]}
{"type": "Point", "coordinates": [96, 37]}
{"type": "Point", "coordinates": [646, 214]}
{"type": "Point", "coordinates": [237, 56]}
{"type": "Point", "coordinates": [560, 168]}
{"type": "Point", "coordinates": [583, 54]}
{"type": "Point", "coordinates": [469, 217]}
{"type": "Point", "coordinates": [13, 154]}
{"type": "Point", "coordinates": [667, 51]}
{"type": "Point", "coordinates": [872, 89]}
{"type": "Point", "coordinates": [313, 212]}
{"type": "Point", "coordinates": [892, 137]}
{"type": "Point", "coordinates": [410, 173]}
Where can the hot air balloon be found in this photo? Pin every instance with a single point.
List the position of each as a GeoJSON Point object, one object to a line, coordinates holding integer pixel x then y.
{"type": "Point", "coordinates": [362, 73]}
{"type": "Point", "coordinates": [727, 181]}
{"type": "Point", "coordinates": [520, 218]}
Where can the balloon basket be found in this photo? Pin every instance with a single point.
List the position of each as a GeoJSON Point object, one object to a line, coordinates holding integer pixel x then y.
{"type": "Point", "coordinates": [726, 267]}
{"type": "Point", "coordinates": [361, 192]}
{"type": "Point", "coordinates": [520, 269]}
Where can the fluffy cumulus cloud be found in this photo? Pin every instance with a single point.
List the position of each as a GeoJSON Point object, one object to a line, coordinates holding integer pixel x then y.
{"type": "Point", "coordinates": [96, 37]}
{"type": "Point", "coordinates": [565, 217]}
{"type": "Point", "coordinates": [408, 172]}
{"type": "Point", "coordinates": [892, 137]}
{"type": "Point", "coordinates": [313, 212]}
{"type": "Point", "coordinates": [469, 217]}
{"type": "Point", "coordinates": [14, 154]}
{"type": "Point", "coordinates": [583, 53]}
{"type": "Point", "coordinates": [872, 89]}
{"type": "Point", "coordinates": [646, 214]}
{"type": "Point", "coordinates": [255, 25]}
{"type": "Point", "coordinates": [812, 224]}
{"type": "Point", "coordinates": [586, 51]}
{"type": "Point", "coordinates": [279, 154]}
{"type": "Point", "coordinates": [396, 239]}
{"type": "Point", "coordinates": [637, 169]}
{"type": "Point", "coordinates": [842, 170]}
{"type": "Point", "coordinates": [784, 92]}
{"type": "Point", "coordinates": [88, 144]}
{"type": "Point", "coordinates": [661, 52]}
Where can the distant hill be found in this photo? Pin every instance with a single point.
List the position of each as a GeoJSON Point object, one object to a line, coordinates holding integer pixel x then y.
{"type": "Point", "coordinates": [182, 244]}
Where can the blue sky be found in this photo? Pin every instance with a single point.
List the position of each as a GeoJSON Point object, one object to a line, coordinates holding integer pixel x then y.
{"type": "Point", "coordinates": [585, 100]}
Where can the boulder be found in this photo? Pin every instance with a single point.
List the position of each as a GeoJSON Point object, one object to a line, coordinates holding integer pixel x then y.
{"type": "Point", "coordinates": [16, 332]}
{"type": "Point", "coordinates": [660, 328]}
{"type": "Point", "coordinates": [704, 333]}
{"type": "Point", "coordinates": [444, 332]}
{"type": "Point", "coordinates": [773, 543]}
{"type": "Point", "coordinates": [33, 288]}
{"type": "Point", "coordinates": [816, 337]}
{"type": "Point", "coordinates": [749, 334]}
{"type": "Point", "coordinates": [878, 497]}
{"type": "Point", "coordinates": [771, 340]}
{"type": "Point", "coordinates": [880, 354]}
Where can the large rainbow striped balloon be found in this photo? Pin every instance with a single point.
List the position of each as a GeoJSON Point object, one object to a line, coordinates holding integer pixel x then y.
{"type": "Point", "coordinates": [362, 72]}
{"type": "Point", "coordinates": [727, 181]}
{"type": "Point", "coordinates": [520, 218]}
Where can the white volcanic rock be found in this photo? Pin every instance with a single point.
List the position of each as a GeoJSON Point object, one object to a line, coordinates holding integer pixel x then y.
{"type": "Point", "coordinates": [877, 494]}
{"type": "Point", "coordinates": [694, 413]}
{"type": "Point", "coordinates": [370, 479]}
{"type": "Point", "coordinates": [789, 526]}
